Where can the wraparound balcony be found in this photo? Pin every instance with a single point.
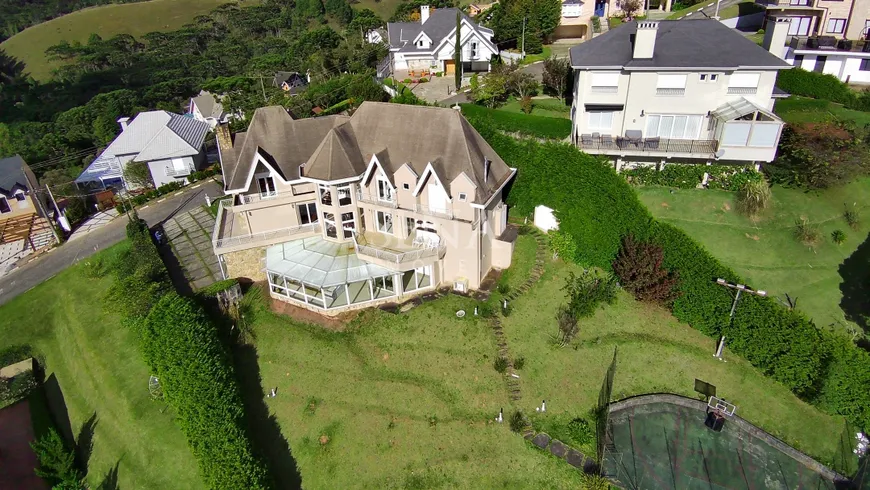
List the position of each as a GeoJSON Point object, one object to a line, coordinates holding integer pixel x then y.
{"type": "Point", "coordinates": [653, 146]}
{"type": "Point", "coordinates": [397, 253]}
{"type": "Point", "coordinates": [232, 232]}
{"type": "Point", "coordinates": [444, 213]}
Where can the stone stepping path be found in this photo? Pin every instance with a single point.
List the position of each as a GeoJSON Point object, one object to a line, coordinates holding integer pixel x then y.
{"type": "Point", "coordinates": [189, 237]}
{"type": "Point", "coordinates": [512, 381]}
{"type": "Point", "coordinates": [562, 451]}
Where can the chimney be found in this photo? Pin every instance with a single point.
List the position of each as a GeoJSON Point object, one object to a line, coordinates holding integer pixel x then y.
{"type": "Point", "coordinates": [775, 33]}
{"type": "Point", "coordinates": [424, 14]}
{"type": "Point", "coordinates": [124, 122]}
{"type": "Point", "coordinates": [645, 39]}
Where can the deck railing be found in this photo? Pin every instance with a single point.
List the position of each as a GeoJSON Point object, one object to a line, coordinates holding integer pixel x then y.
{"type": "Point", "coordinates": [219, 241]}
{"type": "Point", "coordinates": [651, 145]}
{"type": "Point", "coordinates": [396, 257]}
{"type": "Point", "coordinates": [437, 212]}
{"type": "Point", "coordinates": [373, 199]}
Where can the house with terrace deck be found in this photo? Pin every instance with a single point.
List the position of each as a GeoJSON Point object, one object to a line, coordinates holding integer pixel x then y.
{"type": "Point", "coordinates": [341, 212]}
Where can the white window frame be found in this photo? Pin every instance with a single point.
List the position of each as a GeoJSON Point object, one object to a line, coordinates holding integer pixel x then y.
{"type": "Point", "coordinates": [673, 121]}
{"type": "Point", "coordinates": [744, 80]}
{"type": "Point", "coordinates": [386, 217]}
{"type": "Point", "coordinates": [344, 189]}
{"type": "Point", "coordinates": [348, 221]}
{"type": "Point", "coordinates": [799, 26]}
{"type": "Point", "coordinates": [671, 84]}
{"type": "Point", "coordinates": [308, 206]}
{"type": "Point", "coordinates": [835, 26]}
{"type": "Point", "coordinates": [3, 198]}
{"type": "Point", "coordinates": [329, 222]}
{"type": "Point", "coordinates": [605, 82]}
{"type": "Point", "coordinates": [384, 189]}
{"type": "Point", "coordinates": [595, 120]}
{"type": "Point", "coordinates": [267, 179]}
{"type": "Point", "coordinates": [463, 197]}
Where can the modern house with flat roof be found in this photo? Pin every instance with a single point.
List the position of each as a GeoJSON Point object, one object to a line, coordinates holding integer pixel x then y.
{"type": "Point", "coordinates": [648, 93]}
{"type": "Point", "coordinates": [341, 212]}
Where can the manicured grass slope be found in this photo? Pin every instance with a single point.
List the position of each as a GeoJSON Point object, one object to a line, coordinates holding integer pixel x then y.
{"type": "Point", "coordinates": [656, 354]}
{"type": "Point", "coordinates": [100, 371]}
{"type": "Point", "coordinates": [135, 19]}
{"type": "Point", "coordinates": [796, 109]}
{"type": "Point", "coordinates": [765, 252]}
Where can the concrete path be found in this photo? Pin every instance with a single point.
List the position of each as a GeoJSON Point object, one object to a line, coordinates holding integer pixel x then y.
{"type": "Point", "coordinates": [58, 259]}
{"type": "Point", "coordinates": [189, 236]}
{"type": "Point", "coordinates": [95, 222]}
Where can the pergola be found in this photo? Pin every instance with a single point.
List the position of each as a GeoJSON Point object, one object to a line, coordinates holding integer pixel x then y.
{"type": "Point", "coordinates": [21, 228]}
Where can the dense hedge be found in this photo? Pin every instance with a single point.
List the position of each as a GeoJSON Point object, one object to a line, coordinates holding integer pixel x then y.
{"type": "Point", "coordinates": [819, 86]}
{"type": "Point", "coordinates": [689, 176]}
{"type": "Point", "coordinates": [184, 350]}
{"type": "Point", "coordinates": [535, 126]}
{"type": "Point", "coordinates": [195, 371]}
{"type": "Point", "coordinates": [597, 207]}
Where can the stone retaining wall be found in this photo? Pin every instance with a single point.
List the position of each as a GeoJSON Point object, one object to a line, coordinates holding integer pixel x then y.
{"type": "Point", "coordinates": [683, 401]}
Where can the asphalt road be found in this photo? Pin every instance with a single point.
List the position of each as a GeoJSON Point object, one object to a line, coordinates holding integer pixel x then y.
{"type": "Point", "coordinates": [26, 277]}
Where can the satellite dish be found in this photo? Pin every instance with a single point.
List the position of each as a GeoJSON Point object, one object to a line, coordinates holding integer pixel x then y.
{"type": "Point", "coordinates": [719, 154]}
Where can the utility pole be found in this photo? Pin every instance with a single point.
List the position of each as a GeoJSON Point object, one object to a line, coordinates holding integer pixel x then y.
{"type": "Point", "coordinates": [716, 15]}
{"type": "Point", "coordinates": [523, 50]}
{"type": "Point", "coordinates": [263, 87]}
{"type": "Point", "coordinates": [35, 194]}
{"type": "Point", "coordinates": [741, 288]}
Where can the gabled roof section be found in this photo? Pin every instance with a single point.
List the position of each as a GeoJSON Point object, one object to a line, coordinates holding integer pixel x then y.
{"type": "Point", "coordinates": [703, 43]}
{"type": "Point", "coordinates": [12, 175]}
{"type": "Point", "coordinates": [182, 136]}
{"type": "Point", "coordinates": [413, 135]}
{"type": "Point", "coordinates": [279, 139]}
{"type": "Point", "coordinates": [208, 105]}
{"type": "Point", "coordinates": [440, 25]}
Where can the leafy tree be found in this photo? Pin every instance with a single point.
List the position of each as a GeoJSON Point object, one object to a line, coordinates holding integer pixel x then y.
{"type": "Point", "coordinates": [365, 20]}
{"type": "Point", "coordinates": [587, 290]}
{"type": "Point", "coordinates": [57, 462]}
{"type": "Point", "coordinates": [629, 7]}
{"type": "Point", "coordinates": [489, 90]}
{"type": "Point", "coordinates": [137, 174]}
{"type": "Point", "coordinates": [541, 18]}
{"type": "Point", "coordinates": [639, 269]}
{"type": "Point", "coordinates": [567, 321]}
{"type": "Point", "coordinates": [339, 10]}
{"type": "Point", "coordinates": [520, 83]}
{"type": "Point", "coordinates": [557, 71]}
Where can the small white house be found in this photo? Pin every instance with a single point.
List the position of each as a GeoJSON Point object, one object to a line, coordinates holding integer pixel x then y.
{"type": "Point", "coordinates": [206, 107]}
{"type": "Point", "coordinates": [429, 45]}
{"type": "Point", "coordinates": [171, 145]}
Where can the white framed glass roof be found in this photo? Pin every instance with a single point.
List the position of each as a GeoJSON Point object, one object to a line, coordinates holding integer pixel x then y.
{"type": "Point", "coordinates": [739, 108]}
{"type": "Point", "coordinates": [320, 263]}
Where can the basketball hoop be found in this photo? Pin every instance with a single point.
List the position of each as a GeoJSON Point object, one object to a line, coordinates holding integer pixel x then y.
{"type": "Point", "coordinates": [721, 406]}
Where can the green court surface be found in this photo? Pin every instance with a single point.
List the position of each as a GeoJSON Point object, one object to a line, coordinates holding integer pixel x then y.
{"type": "Point", "coordinates": [666, 446]}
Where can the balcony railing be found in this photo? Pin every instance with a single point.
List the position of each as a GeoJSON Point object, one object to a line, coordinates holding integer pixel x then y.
{"type": "Point", "coordinates": [398, 257]}
{"type": "Point", "coordinates": [437, 212]}
{"type": "Point", "coordinates": [172, 171]}
{"type": "Point", "coordinates": [651, 145]}
{"type": "Point", "coordinates": [671, 91]}
{"type": "Point", "coordinates": [252, 238]}
{"type": "Point", "coordinates": [829, 43]}
{"type": "Point", "coordinates": [262, 196]}
{"type": "Point", "coordinates": [742, 90]}
{"type": "Point", "coordinates": [373, 199]}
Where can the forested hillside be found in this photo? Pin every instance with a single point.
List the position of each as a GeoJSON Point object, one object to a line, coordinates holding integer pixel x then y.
{"type": "Point", "coordinates": [232, 50]}
{"type": "Point", "coordinates": [17, 15]}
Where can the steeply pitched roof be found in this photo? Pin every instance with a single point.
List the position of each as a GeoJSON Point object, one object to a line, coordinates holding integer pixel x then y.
{"type": "Point", "coordinates": [703, 43]}
{"type": "Point", "coordinates": [208, 105]}
{"type": "Point", "coordinates": [438, 26]}
{"type": "Point", "coordinates": [280, 140]}
{"type": "Point", "coordinates": [12, 175]}
{"type": "Point", "coordinates": [416, 135]}
{"type": "Point", "coordinates": [294, 80]}
{"type": "Point", "coordinates": [156, 135]}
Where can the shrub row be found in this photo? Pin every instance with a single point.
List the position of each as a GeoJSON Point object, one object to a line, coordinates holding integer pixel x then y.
{"type": "Point", "coordinates": [185, 351]}
{"type": "Point", "coordinates": [825, 87]}
{"type": "Point", "coordinates": [689, 176]}
{"type": "Point", "coordinates": [596, 207]}
{"type": "Point", "coordinates": [164, 189]}
{"type": "Point", "coordinates": [511, 122]}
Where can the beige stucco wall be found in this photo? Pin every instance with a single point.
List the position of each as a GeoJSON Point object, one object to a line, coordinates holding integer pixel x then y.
{"type": "Point", "coordinates": [462, 209]}
{"type": "Point", "coordinates": [245, 263]}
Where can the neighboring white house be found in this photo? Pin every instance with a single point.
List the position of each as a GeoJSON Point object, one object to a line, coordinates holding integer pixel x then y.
{"type": "Point", "coordinates": [206, 107]}
{"type": "Point", "coordinates": [375, 36]}
{"type": "Point", "coordinates": [846, 59]}
{"type": "Point", "coordinates": [429, 44]}
{"type": "Point", "coordinates": [691, 90]}
{"type": "Point", "coordinates": [171, 145]}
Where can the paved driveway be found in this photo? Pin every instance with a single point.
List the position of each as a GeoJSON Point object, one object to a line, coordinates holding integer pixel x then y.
{"type": "Point", "coordinates": [189, 236]}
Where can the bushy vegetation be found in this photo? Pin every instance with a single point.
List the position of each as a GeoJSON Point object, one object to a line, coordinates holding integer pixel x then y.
{"type": "Point", "coordinates": [822, 86]}
{"type": "Point", "coordinates": [819, 155]}
{"type": "Point", "coordinates": [639, 269]}
{"type": "Point", "coordinates": [185, 351]}
{"type": "Point", "coordinates": [753, 197]}
{"type": "Point", "coordinates": [782, 343]}
{"type": "Point", "coordinates": [57, 462]}
{"type": "Point", "coordinates": [526, 125]}
{"type": "Point", "coordinates": [17, 15]}
{"type": "Point", "coordinates": [689, 176]}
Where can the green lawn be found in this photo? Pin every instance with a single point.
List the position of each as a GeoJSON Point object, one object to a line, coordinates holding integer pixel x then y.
{"type": "Point", "coordinates": [764, 251]}
{"type": "Point", "coordinates": [548, 107]}
{"type": "Point", "coordinates": [521, 264]}
{"type": "Point", "coordinates": [405, 401]}
{"type": "Point", "coordinates": [743, 8]}
{"type": "Point", "coordinates": [796, 109]}
{"type": "Point", "coordinates": [97, 364]}
{"type": "Point", "coordinates": [656, 354]}
{"type": "Point", "coordinates": [135, 19]}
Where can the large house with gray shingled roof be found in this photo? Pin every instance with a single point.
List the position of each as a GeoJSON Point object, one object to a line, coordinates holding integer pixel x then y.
{"type": "Point", "coordinates": [341, 212]}
{"type": "Point", "coordinates": [428, 45]}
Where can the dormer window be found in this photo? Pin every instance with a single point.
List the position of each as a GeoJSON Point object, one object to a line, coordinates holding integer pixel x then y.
{"type": "Point", "coordinates": [4, 206]}
{"type": "Point", "coordinates": [20, 196]}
